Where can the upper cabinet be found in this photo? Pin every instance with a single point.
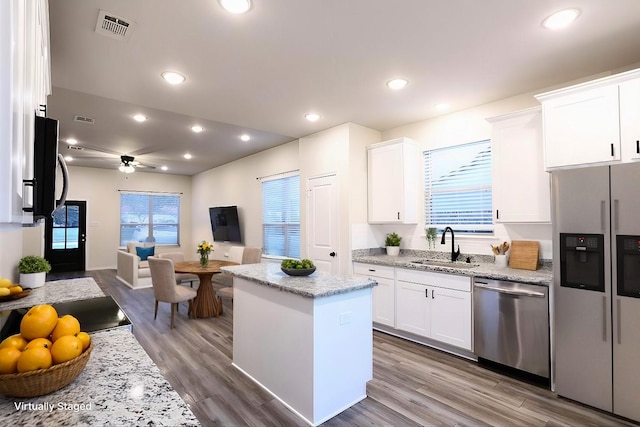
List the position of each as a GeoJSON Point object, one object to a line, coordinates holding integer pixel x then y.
{"type": "Point", "coordinates": [394, 182]}
{"type": "Point", "coordinates": [521, 187]}
{"type": "Point", "coordinates": [592, 123]}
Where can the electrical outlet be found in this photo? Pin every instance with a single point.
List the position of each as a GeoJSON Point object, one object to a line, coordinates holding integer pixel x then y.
{"type": "Point", "coordinates": [345, 318]}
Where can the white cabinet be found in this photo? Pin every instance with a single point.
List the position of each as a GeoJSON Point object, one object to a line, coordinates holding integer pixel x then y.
{"type": "Point", "coordinates": [393, 182]}
{"type": "Point", "coordinates": [592, 123]}
{"type": "Point", "coordinates": [384, 300]}
{"type": "Point", "coordinates": [434, 305]}
{"type": "Point", "coordinates": [521, 187]}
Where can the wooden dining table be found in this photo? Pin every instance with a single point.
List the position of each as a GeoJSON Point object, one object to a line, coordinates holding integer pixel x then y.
{"type": "Point", "coordinates": [205, 304]}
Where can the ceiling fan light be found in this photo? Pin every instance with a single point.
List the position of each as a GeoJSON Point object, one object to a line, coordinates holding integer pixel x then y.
{"type": "Point", "coordinates": [126, 168]}
{"type": "Point", "coordinates": [236, 6]}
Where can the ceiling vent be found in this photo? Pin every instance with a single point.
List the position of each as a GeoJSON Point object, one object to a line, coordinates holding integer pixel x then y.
{"type": "Point", "coordinates": [114, 26]}
{"type": "Point", "coordinates": [83, 119]}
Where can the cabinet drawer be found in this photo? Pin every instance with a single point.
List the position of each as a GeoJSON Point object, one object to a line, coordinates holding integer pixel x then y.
{"type": "Point", "coordinates": [441, 280]}
{"type": "Point", "coordinates": [372, 270]}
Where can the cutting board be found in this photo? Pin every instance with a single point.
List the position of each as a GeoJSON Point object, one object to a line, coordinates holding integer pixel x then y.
{"type": "Point", "coordinates": [524, 254]}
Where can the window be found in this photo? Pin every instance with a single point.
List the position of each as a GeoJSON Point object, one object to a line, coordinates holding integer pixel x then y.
{"type": "Point", "coordinates": [457, 186]}
{"type": "Point", "coordinates": [281, 216]}
{"type": "Point", "coordinates": [146, 217]}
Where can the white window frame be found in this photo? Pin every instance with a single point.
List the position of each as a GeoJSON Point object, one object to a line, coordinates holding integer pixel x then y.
{"type": "Point", "coordinates": [289, 207]}
{"type": "Point", "coordinates": [475, 184]}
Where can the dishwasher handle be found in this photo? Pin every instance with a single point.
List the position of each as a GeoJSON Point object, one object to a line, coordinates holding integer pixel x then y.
{"type": "Point", "coordinates": [515, 292]}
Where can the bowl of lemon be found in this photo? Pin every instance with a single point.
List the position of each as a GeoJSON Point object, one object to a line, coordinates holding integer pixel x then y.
{"type": "Point", "coordinates": [295, 267]}
{"type": "Point", "coordinates": [47, 354]}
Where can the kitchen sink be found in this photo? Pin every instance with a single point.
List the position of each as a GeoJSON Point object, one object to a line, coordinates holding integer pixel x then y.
{"type": "Point", "coordinates": [441, 263]}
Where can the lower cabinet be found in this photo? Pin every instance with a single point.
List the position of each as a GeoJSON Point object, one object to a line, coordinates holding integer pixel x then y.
{"type": "Point", "coordinates": [384, 300]}
{"type": "Point", "coordinates": [434, 305]}
{"type": "Point", "coordinates": [429, 304]}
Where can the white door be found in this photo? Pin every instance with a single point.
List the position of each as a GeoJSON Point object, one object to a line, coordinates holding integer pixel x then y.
{"type": "Point", "coordinates": [322, 208]}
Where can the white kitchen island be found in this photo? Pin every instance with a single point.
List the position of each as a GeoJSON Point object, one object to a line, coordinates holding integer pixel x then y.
{"type": "Point", "coordinates": [306, 340]}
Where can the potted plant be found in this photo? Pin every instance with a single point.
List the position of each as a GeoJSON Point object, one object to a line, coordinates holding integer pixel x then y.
{"type": "Point", "coordinates": [33, 271]}
{"type": "Point", "coordinates": [392, 243]}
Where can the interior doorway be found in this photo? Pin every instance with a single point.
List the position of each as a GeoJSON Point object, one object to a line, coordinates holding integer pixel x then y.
{"type": "Point", "coordinates": [65, 237]}
{"type": "Point", "coordinates": [323, 222]}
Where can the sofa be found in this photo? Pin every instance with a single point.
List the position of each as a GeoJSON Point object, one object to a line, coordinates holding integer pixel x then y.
{"type": "Point", "coordinates": [132, 271]}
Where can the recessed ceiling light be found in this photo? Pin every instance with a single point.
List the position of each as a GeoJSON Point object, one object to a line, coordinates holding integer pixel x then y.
{"type": "Point", "coordinates": [236, 6]}
{"type": "Point", "coordinates": [561, 19]}
{"type": "Point", "coordinates": [442, 107]}
{"type": "Point", "coordinates": [245, 137]}
{"type": "Point", "coordinates": [187, 156]}
{"type": "Point", "coordinates": [140, 118]}
{"type": "Point", "coordinates": [72, 141]}
{"type": "Point", "coordinates": [68, 158]}
{"type": "Point", "coordinates": [173, 77]}
{"type": "Point", "coordinates": [197, 128]}
{"type": "Point", "coordinates": [164, 168]}
{"type": "Point", "coordinates": [312, 117]}
{"type": "Point", "coordinates": [396, 84]}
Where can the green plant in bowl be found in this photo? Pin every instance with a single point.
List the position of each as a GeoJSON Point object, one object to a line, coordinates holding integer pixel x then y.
{"type": "Point", "coordinates": [295, 267]}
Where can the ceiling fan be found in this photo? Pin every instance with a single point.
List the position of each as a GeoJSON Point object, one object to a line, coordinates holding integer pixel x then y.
{"type": "Point", "coordinates": [127, 164]}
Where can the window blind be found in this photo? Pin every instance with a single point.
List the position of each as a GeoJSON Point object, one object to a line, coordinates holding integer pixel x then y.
{"type": "Point", "coordinates": [148, 217]}
{"type": "Point", "coordinates": [281, 216]}
{"type": "Point", "coordinates": [457, 183]}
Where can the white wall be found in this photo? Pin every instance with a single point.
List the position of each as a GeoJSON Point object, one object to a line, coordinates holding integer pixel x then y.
{"type": "Point", "coordinates": [100, 189]}
{"type": "Point", "coordinates": [237, 183]}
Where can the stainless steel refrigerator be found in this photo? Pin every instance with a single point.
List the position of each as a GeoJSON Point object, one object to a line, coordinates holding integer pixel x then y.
{"type": "Point", "coordinates": [596, 284]}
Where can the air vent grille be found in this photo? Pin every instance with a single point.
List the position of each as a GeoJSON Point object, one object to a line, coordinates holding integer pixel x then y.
{"type": "Point", "coordinates": [75, 147]}
{"type": "Point", "coordinates": [114, 26]}
{"type": "Point", "coordinates": [84, 119]}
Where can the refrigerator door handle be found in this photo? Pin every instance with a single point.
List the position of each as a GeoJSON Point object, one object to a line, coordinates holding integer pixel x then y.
{"type": "Point", "coordinates": [619, 318]}
{"type": "Point", "coordinates": [604, 319]}
{"type": "Point", "coordinates": [616, 215]}
{"type": "Point", "coordinates": [602, 213]}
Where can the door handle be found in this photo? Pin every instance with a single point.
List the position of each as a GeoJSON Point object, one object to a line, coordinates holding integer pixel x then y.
{"type": "Point", "coordinates": [332, 254]}
{"type": "Point", "coordinates": [604, 319]}
{"type": "Point", "coordinates": [616, 216]}
{"type": "Point", "coordinates": [602, 213]}
{"type": "Point", "coordinates": [619, 319]}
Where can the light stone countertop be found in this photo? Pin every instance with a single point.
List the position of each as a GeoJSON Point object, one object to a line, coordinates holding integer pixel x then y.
{"type": "Point", "coordinates": [57, 291]}
{"type": "Point", "coordinates": [487, 270]}
{"type": "Point", "coordinates": [316, 285]}
{"type": "Point", "coordinates": [120, 386]}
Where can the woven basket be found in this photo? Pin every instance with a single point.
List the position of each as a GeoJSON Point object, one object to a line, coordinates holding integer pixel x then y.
{"type": "Point", "coordinates": [44, 381]}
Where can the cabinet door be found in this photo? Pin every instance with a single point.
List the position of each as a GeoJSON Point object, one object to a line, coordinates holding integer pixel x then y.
{"type": "Point", "coordinates": [520, 184]}
{"type": "Point", "coordinates": [412, 308]}
{"type": "Point", "coordinates": [582, 128]}
{"type": "Point", "coordinates": [384, 302]}
{"type": "Point", "coordinates": [630, 120]}
{"type": "Point", "coordinates": [451, 317]}
{"type": "Point", "coordinates": [385, 183]}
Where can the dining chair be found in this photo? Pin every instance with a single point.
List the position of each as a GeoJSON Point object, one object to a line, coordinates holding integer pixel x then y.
{"type": "Point", "coordinates": [180, 277]}
{"type": "Point", "coordinates": [249, 256]}
{"type": "Point", "coordinates": [165, 287]}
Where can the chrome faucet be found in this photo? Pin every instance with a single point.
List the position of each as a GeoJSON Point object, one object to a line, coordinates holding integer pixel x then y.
{"type": "Point", "coordinates": [454, 254]}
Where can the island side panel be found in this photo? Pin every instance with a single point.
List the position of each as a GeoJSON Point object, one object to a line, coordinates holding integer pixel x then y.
{"type": "Point", "coordinates": [273, 342]}
{"type": "Point", "coordinates": [343, 352]}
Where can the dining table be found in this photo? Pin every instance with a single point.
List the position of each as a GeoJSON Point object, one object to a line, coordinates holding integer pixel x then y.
{"type": "Point", "coordinates": [205, 304]}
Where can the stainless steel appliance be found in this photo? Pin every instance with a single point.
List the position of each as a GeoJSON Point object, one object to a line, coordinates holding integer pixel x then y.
{"type": "Point", "coordinates": [597, 286]}
{"type": "Point", "coordinates": [511, 325]}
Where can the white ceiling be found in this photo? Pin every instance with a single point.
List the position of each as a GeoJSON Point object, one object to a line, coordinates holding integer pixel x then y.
{"type": "Point", "coordinates": [260, 72]}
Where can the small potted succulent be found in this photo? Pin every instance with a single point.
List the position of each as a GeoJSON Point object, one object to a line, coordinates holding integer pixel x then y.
{"type": "Point", "coordinates": [33, 271]}
{"type": "Point", "coordinates": [392, 243]}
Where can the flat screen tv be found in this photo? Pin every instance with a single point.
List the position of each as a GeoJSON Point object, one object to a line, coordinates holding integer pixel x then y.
{"type": "Point", "coordinates": [225, 224]}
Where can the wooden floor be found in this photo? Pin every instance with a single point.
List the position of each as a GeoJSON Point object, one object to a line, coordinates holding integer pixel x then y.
{"type": "Point", "coordinates": [412, 385]}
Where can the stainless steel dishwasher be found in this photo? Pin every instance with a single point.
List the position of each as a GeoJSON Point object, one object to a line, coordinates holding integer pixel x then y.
{"type": "Point", "coordinates": [511, 324]}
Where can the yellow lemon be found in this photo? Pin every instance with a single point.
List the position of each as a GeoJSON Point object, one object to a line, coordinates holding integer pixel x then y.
{"type": "Point", "coordinates": [16, 341]}
{"type": "Point", "coordinates": [9, 360]}
{"type": "Point", "coordinates": [39, 342]}
{"type": "Point", "coordinates": [15, 289]}
{"type": "Point", "coordinates": [34, 358]}
{"type": "Point", "coordinates": [4, 292]}
{"type": "Point", "coordinates": [67, 325]}
{"type": "Point", "coordinates": [66, 348]}
{"type": "Point", "coordinates": [85, 339]}
{"type": "Point", "coordinates": [38, 322]}
{"type": "Point", "coordinates": [5, 283]}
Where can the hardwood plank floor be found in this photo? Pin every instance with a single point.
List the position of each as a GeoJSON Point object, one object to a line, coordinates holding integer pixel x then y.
{"type": "Point", "coordinates": [412, 385]}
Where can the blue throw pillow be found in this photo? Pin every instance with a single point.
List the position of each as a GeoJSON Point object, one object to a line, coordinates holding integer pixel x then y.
{"type": "Point", "coordinates": [144, 253]}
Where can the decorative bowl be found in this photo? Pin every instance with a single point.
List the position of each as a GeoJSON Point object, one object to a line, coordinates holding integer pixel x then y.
{"type": "Point", "coordinates": [298, 271]}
